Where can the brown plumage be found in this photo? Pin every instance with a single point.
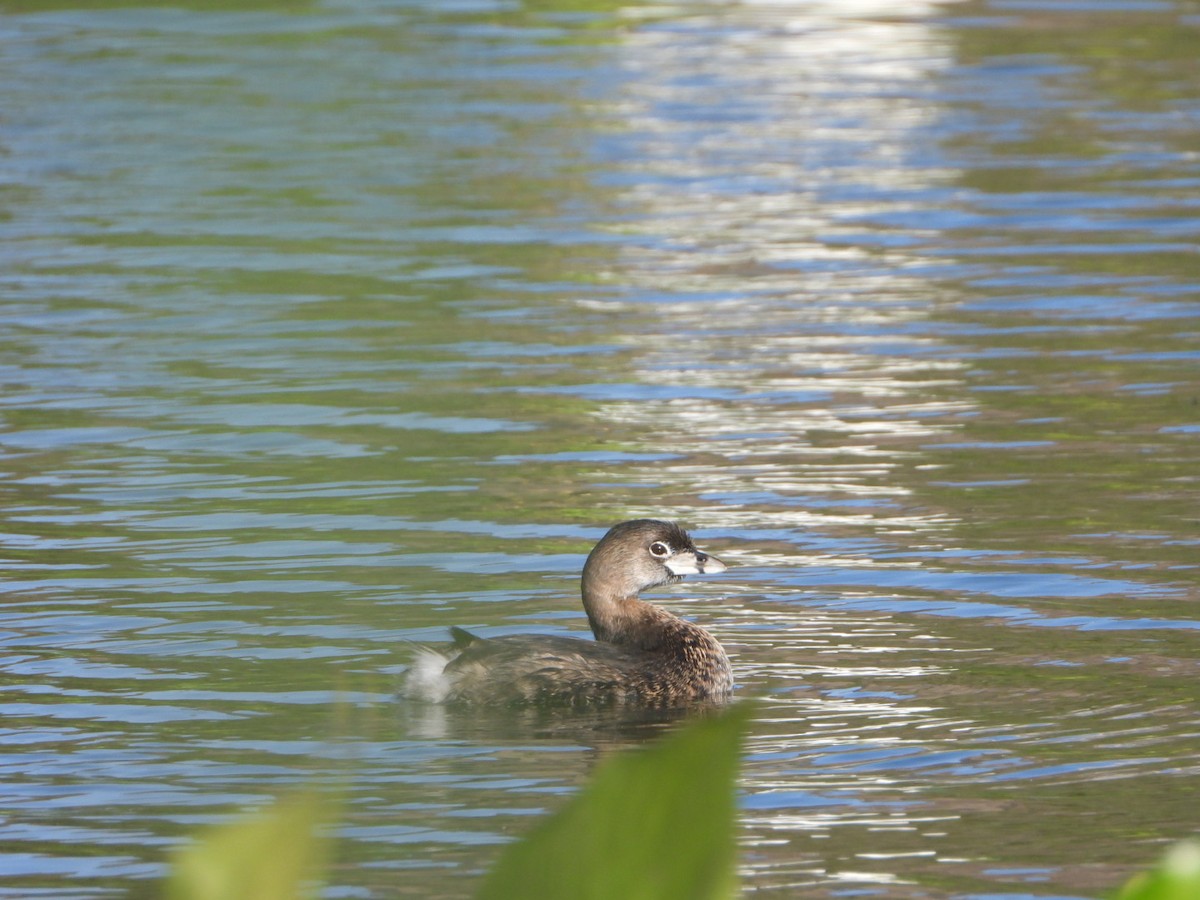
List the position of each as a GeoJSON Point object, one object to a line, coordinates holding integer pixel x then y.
{"type": "Point", "coordinates": [642, 654]}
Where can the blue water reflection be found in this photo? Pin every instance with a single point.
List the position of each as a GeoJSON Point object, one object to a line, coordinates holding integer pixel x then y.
{"type": "Point", "coordinates": [325, 328]}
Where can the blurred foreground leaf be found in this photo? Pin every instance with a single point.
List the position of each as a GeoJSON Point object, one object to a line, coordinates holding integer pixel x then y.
{"type": "Point", "coordinates": [657, 824]}
{"type": "Point", "coordinates": [274, 854]}
{"type": "Point", "coordinates": [1176, 877]}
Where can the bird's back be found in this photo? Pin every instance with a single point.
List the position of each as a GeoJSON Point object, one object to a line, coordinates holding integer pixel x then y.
{"type": "Point", "coordinates": [534, 669]}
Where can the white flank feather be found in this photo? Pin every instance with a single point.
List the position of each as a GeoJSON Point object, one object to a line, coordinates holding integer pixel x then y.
{"type": "Point", "coordinates": [426, 679]}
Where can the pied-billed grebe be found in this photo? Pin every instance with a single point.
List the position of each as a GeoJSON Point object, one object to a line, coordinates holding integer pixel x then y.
{"type": "Point", "coordinates": [642, 653]}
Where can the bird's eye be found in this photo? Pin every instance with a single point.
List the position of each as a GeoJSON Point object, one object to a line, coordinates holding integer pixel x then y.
{"type": "Point", "coordinates": [660, 550]}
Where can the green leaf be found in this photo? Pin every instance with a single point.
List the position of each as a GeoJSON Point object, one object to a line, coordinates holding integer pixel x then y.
{"type": "Point", "coordinates": [1176, 877]}
{"type": "Point", "coordinates": [657, 824]}
{"type": "Point", "coordinates": [274, 854]}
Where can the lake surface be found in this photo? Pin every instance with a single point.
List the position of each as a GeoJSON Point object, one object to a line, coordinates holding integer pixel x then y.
{"type": "Point", "coordinates": [327, 325]}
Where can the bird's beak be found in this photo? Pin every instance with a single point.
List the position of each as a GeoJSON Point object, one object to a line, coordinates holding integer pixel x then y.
{"type": "Point", "coordinates": [697, 563]}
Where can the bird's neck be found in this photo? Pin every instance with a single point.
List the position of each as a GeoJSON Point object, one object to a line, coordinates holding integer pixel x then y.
{"type": "Point", "coordinates": [623, 620]}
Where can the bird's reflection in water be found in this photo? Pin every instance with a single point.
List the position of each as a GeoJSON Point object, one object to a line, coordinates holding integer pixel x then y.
{"type": "Point", "coordinates": [605, 727]}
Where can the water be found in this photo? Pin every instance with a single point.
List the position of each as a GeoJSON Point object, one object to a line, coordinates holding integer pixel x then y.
{"type": "Point", "coordinates": [326, 326]}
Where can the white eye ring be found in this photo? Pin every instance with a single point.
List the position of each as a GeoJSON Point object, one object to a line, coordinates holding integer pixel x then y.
{"type": "Point", "coordinates": [660, 550]}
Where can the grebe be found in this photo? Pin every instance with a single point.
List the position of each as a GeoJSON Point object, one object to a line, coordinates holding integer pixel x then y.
{"type": "Point", "coordinates": [642, 654]}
